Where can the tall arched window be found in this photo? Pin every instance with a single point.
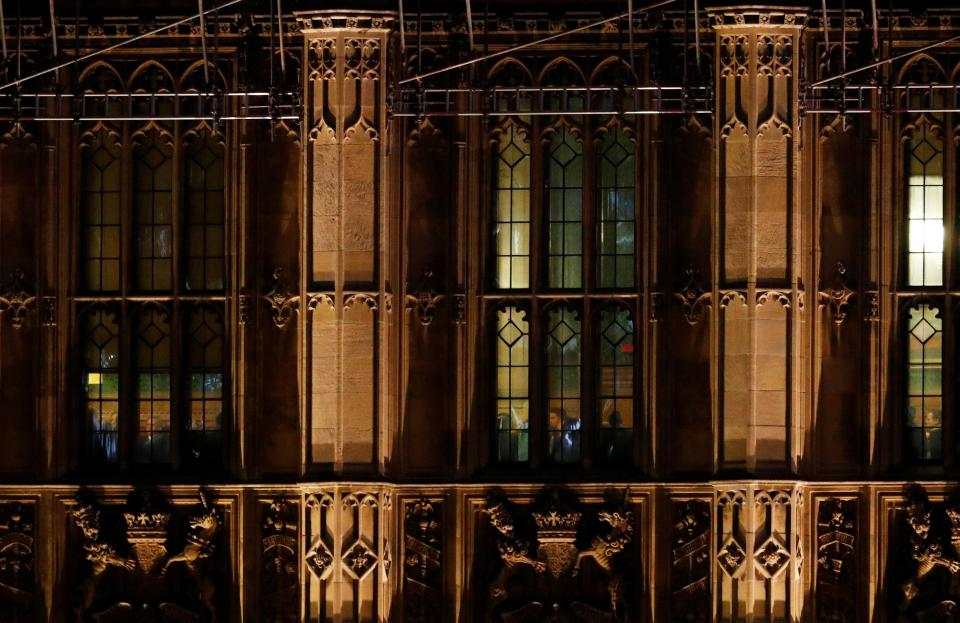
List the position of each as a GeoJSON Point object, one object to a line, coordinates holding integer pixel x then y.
{"type": "Point", "coordinates": [153, 210]}
{"type": "Point", "coordinates": [100, 344]}
{"type": "Point", "coordinates": [513, 398]}
{"type": "Point", "coordinates": [512, 210]}
{"type": "Point", "coordinates": [153, 374]}
{"type": "Point", "coordinates": [563, 387]}
{"type": "Point", "coordinates": [100, 212]}
{"type": "Point", "coordinates": [204, 202]}
{"type": "Point", "coordinates": [615, 388]}
{"type": "Point", "coordinates": [924, 417]}
{"type": "Point", "coordinates": [616, 209]}
{"type": "Point", "coordinates": [924, 165]}
{"type": "Point", "coordinates": [564, 169]}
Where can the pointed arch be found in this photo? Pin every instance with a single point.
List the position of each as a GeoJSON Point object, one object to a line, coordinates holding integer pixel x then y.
{"type": "Point", "coordinates": [151, 77]}
{"type": "Point", "coordinates": [101, 77]}
{"type": "Point", "coordinates": [511, 346]}
{"type": "Point", "coordinates": [192, 79]}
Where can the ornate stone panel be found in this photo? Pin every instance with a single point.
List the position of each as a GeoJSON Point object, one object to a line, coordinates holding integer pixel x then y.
{"type": "Point", "coordinates": [836, 571]}
{"type": "Point", "coordinates": [557, 557]}
{"type": "Point", "coordinates": [422, 560]}
{"type": "Point", "coordinates": [348, 555]}
{"type": "Point", "coordinates": [690, 561]}
{"type": "Point", "coordinates": [279, 567]}
{"type": "Point", "coordinates": [18, 574]}
{"type": "Point", "coordinates": [149, 558]}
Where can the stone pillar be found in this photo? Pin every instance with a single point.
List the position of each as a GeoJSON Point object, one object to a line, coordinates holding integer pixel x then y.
{"type": "Point", "coordinates": [757, 266]}
{"type": "Point", "coordinates": [348, 259]}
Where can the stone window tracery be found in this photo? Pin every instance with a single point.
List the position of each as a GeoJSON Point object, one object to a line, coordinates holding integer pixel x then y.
{"type": "Point", "coordinates": [924, 411]}
{"type": "Point", "coordinates": [152, 275]}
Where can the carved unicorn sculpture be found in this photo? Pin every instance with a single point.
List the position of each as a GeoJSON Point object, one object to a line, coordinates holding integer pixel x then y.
{"type": "Point", "coordinates": [925, 549]}
{"type": "Point", "coordinates": [198, 548]}
{"type": "Point", "coordinates": [605, 547]}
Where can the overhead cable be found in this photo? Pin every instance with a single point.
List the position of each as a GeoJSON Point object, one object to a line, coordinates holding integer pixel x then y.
{"type": "Point", "coordinates": [117, 45]}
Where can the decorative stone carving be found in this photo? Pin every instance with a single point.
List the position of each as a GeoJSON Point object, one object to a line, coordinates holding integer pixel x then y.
{"type": "Point", "coordinates": [281, 300]}
{"type": "Point", "coordinates": [422, 563]}
{"type": "Point", "coordinates": [16, 299]}
{"type": "Point", "coordinates": [244, 309]}
{"type": "Point", "coordinates": [930, 590]}
{"type": "Point", "coordinates": [319, 558]}
{"type": "Point", "coordinates": [424, 299]}
{"type": "Point", "coordinates": [460, 309]}
{"type": "Point", "coordinates": [837, 297]}
{"type": "Point", "coordinates": [154, 591]}
{"type": "Point", "coordinates": [558, 532]}
{"type": "Point", "coordinates": [17, 571]}
{"type": "Point", "coordinates": [48, 311]}
{"type": "Point", "coordinates": [692, 297]}
{"type": "Point", "coordinates": [690, 571]}
{"type": "Point", "coordinates": [146, 534]}
{"type": "Point", "coordinates": [872, 313]}
{"type": "Point", "coordinates": [836, 560]}
{"type": "Point", "coordinates": [279, 577]}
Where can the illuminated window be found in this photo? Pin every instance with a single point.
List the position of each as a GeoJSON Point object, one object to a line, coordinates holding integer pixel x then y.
{"type": "Point", "coordinates": [151, 313]}
{"type": "Point", "coordinates": [512, 209]}
{"type": "Point", "coordinates": [924, 156]}
{"type": "Point", "coordinates": [513, 365]}
{"type": "Point", "coordinates": [204, 391]}
{"type": "Point", "coordinates": [924, 383]}
{"type": "Point", "coordinates": [563, 385]}
{"type": "Point", "coordinates": [615, 396]}
{"type": "Point", "coordinates": [100, 335]}
{"type": "Point", "coordinates": [564, 209]}
{"type": "Point", "coordinates": [100, 212]}
{"type": "Point", "coordinates": [616, 210]}
{"type": "Point", "coordinates": [152, 352]}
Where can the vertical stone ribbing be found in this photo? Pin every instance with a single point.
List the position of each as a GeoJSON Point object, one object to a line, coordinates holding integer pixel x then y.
{"type": "Point", "coordinates": [757, 125]}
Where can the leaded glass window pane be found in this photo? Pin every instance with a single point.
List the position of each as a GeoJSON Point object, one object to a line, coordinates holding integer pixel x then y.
{"type": "Point", "coordinates": [563, 385]}
{"type": "Point", "coordinates": [513, 365]}
{"type": "Point", "coordinates": [100, 213]}
{"type": "Point", "coordinates": [152, 350]}
{"type": "Point", "coordinates": [924, 156]}
{"type": "Point", "coordinates": [100, 337]}
{"type": "Point", "coordinates": [564, 210]}
{"type": "Point", "coordinates": [512, 209]}
{"type": "Point", "coordinates": [204, 199]}
{"type": "Point", "coordinates": [924, 413]}
{"type": "Point", "coordinates": [153, 211]}
{"type": "Point", "coordinates": [616, 208]}
{"type": "Point", "coordinates": [205, 384]}
{"type": "Point", "coordinates": [615, 397]}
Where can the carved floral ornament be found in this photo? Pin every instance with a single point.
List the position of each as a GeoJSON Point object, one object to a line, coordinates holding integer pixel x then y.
{"type": "Point", "coordinates": [424, 299]}
{"type": "Point", "coordinates": [692, 297]}
{"type": "Point", "coordinates": [281, 300]}
{"type": "Point", "coordinates": [837, 297]}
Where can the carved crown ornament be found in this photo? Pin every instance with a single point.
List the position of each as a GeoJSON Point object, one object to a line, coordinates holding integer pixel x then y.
{"type": "Point", "coordinates": [549, 540]}
{"type": "Point", "coordinates": [16, 300]}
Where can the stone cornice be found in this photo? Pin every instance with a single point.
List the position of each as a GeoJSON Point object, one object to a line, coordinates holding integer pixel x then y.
{"type": "Point", "coordinates": [325, 20]}
{"type": "Point", "coordinates": [757, 17]}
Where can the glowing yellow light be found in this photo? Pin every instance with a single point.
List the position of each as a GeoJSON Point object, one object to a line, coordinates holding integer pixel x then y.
{"type": "Point", "coordinates": [94, 378]}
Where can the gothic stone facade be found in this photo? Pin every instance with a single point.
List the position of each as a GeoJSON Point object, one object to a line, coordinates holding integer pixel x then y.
{"type": "Point", "coordinates": [355, 364]}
